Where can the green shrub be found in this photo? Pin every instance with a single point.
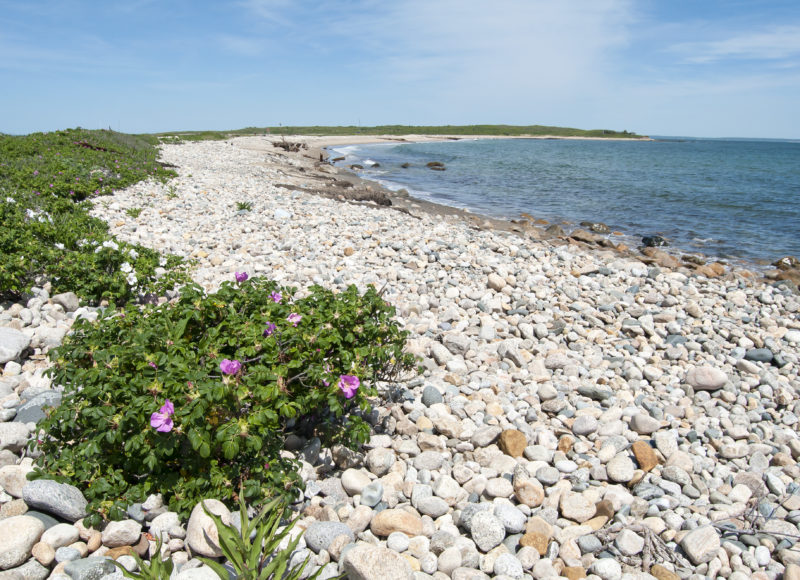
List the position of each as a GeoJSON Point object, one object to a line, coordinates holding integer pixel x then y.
{"type": "Point", "coordinates": [244, 206]}
{"type": "Point", "coordinates": [47, 231]}
{"type": "Point", "coordinates": [195, 398]}
{"type": "Point", "coordinates": [56, 239]}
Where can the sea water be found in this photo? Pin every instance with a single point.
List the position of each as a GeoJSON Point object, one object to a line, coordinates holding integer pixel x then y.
{"type": "Point", "coordinates": [730, 199]}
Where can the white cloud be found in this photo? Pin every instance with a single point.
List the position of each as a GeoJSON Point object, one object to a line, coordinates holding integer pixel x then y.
{"type": "Point", "coordinates": [515, 46]}
{"type": "Point", "coordinates": [776, 44]}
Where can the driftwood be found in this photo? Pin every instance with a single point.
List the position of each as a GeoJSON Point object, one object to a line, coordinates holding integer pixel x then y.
{"type": "Point", "coordinates": [290, 146]}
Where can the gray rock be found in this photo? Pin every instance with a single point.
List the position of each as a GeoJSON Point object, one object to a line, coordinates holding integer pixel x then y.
{"type": "Point", "coordinates": [319, 535]}
{"type": "Point", "coordinates": [13, 436]}
{"type": "Point", "coordinates": [67, 554]}
{"type": "Point", "coordinates": [486, 435]}
{"type": "Point", "coordinates": [60, 499]}
{"type": "Point", "coordinates": [644, 424]}
{"type": "Point", "coordinates": [430, 460]}
{"type": "Point", "coordinates": [487, 531]}
{"type": "Point", "coordinates": [432, 506]}
{"type": "Point", "coordinates": [366, 562]}
{"type": "Point", "coordinates": [431, 396]}
{"type": "Point", "coordinates": [507, 565]}
{"type": "Point", "coordinates": [68, 300]}
{"type": "Point", "coordinates": [18, 534]}
{"type": "Point", "coordinates": [89, 568]}
{"type": "Point", "coordinates": [32, 411]}
{"type": "Point", "coordinates": [372, 494]}
{"type": "Point", "coordinates": [584, 425]}
{"type": "Point", "coordinates": [380, 461]}
{"type": "Point", "coordinates": [12, 344]}
{"type": "Point", "coordinates": [512, 519]}
{"type": "Point", "coordinates": [548, 475]}
{"type": "Point", "coordinates": [764, 355]}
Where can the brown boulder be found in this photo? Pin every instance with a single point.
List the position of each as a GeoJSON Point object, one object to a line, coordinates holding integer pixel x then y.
{"type": "Point", "coordinates": [535, 540]}
{"type": "Point", "coordinates": [645, 455]}
{"type": "Point", "coordinates": [512, 442]}
{"type": "Point", "coordinates": [396, 520]}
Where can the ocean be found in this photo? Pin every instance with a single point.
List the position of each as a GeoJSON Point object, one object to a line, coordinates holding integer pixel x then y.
{"type": "Point", "coordinates": [737, 200]}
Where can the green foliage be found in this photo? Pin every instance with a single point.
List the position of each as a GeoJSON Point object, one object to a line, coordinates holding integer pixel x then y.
{"type": "Point", "coordinates": [254, 551]}
{"type": "Point", "coordinates": [55, 238]}
{"type": "Point", "coordinates": [134, 212]}
{"type": "Point", "coordinates": [510, 130]}
{"type": "Point", "coordinates": [154, 569]}
{"type": "Point", "coordinates": [244, 206]}
{"type": "Point", "coordinates": [228, 429]}
{"type": "Point", "coordinates": [47, 231]}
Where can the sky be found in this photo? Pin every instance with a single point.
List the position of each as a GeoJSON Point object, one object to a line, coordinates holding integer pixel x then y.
{"type": "Point", "coordinates": [702, 68]}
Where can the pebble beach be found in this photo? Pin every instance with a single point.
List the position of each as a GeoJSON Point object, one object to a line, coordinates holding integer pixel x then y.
{"type": "Point", "coordinates": [584, 412]}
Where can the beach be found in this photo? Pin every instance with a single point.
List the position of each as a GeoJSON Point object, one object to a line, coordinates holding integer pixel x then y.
{"type": "Point", "coordinates": [584, 410]}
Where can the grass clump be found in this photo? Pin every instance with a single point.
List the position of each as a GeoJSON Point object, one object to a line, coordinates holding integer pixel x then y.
{"type": "Point", "coordinates": [195, 398]}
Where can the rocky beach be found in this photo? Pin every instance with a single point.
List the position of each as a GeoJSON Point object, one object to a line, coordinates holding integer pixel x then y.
{"type": "Point", "coordinates": [584, 411]}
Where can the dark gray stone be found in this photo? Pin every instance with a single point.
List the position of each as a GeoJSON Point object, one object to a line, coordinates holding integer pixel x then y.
{"type": "Point", "coordinates": [60, 499]}
{"type": "Point", "coordinates": [431, 396]}
{"type": "Point", "coordinates": [759, 355]}
{"type": "Point", "coordinates": [33, 410]}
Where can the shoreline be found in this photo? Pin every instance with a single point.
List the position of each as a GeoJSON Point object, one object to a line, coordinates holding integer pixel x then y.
{"type": "Point", "coordinates": [573, 405]}
{"type": "Point", "coordinates": [672, 257]}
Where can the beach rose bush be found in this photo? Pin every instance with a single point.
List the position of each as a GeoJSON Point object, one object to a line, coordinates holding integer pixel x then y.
{"type": "Point", "coordinates": [194, 399]}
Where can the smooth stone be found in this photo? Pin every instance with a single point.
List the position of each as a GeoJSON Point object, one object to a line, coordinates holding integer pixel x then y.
{"type": "Point", "coordinates": [380, 461]}
{"type": "Point", "coordinates": [512, 518]}
{"type": "Point", "coordinates": [398, 541]}
{"type": "Point", "coordinates": [354, 481]}
{"type": "Point", "coordinates": [61, 535]}
{"type": "Point", "coordinates": [60, 499]}
{"type": "Point", "coordinates": [607, 569]}
{"type": "Point", "coordinates": [701, 544]}
{"type": "Point", "coordinates": [18, 535]}
{"type": "Point", "coordinates": [395, 520]}
{"type": "Point", "coordinates": [644, 424]}
{"type": "Point", "coordinates": [121, 533]}
{"type": "Point", "coordinates": [706, 378]}
{"type": "Point", "coordinates": [201, 531]}
{"type": "Point", "coordinates": [764, 355]}
{"type": "Point", "coordinates": [13, 436]}
{"type": "Point", "coordinates": [584, 425]}
{"type": "Point", "coordinates": [621, 468]}
{"type": "Point", "coordinates": [12, 344]}
{"type": "Point", "coordinates": [629, 542]}
{"type": "Point", "coordinates": [372, 494]}
{"type": "Point", "coordinates": [67, 554]}
{"type": "Point", "coordinates": [432, 506]}
{"type": "Point", "coordinates": [366, 562]}
{"type": "Point", "coordinates": [576, 507]}
{"type": "Point", "coordinates": [319, 535]}
{"type": "Point", "coordinates": [506, 565]}
{"type": "Point", "coordinates": [44, 553]}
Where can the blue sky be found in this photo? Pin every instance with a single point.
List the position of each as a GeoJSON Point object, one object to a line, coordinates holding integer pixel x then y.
{"type": "Point", "coordinates": [673, 67]}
